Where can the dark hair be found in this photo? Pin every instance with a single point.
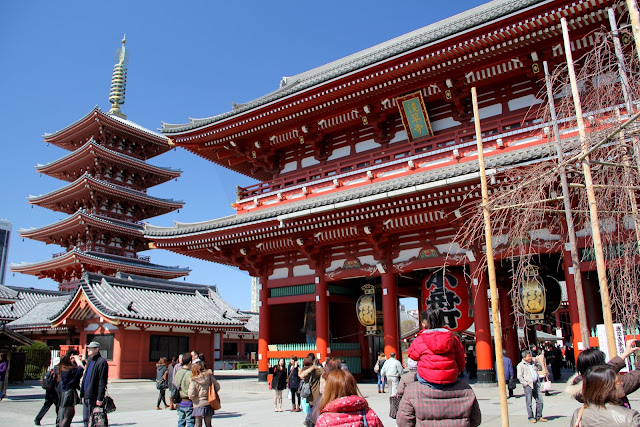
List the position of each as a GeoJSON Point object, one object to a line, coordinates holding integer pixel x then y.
{"type": "Point", "coordinates": [65, 364]}
{"type": "Point", "coordinates": [71, 352]}
{"type": "Point", "coordinates": [340, 383]}
{"type": "Point", "coordinates": [332, 365]}
{"type": "Point", "coordinates": [434, 317]}
{"type": "Point", "coordinates": [196, 369]}
{"type": "Point", "coordinates": [599, 385]}
{"type": "Point", "coordinates": [589, 358]}
{"type": "Point", "coordinates": [294, 358]}
{"type": "Point", "coordinates": [186, 359]}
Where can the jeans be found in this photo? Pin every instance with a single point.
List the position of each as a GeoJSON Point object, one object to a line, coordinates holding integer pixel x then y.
{"type": "Point", "coordinates": [87, 409]}
{"type": "Point", "coordinates": [185, 416]}
{"type": "Point", "coordinates": [533, 393]}
{"type": "Point", "coordinates": [380, 381]}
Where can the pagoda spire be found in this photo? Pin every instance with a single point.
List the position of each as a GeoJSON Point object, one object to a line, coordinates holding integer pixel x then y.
{"type": "Point", "coordinates": [119, 80]}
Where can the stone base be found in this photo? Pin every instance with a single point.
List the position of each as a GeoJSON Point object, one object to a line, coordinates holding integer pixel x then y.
{"type": "Point", "coordinates": [486, 378]}
{"type": "Point", "coordinates": [262, 376]}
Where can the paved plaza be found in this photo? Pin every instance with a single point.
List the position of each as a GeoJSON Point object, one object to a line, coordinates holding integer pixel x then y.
{"type": "Point", "coordinates": [245, 402]}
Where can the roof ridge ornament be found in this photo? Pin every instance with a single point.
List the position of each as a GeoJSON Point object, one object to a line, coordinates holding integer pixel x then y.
{"type": "Point", "coordinates": [119, 80]}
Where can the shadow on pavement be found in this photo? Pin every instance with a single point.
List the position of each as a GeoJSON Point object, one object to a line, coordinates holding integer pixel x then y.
{"type": "Point", "coordinates": [226, 415]}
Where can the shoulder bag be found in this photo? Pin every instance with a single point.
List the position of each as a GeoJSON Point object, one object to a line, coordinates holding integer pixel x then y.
{"type": "Point", "coordinates": [175, 392]}
{"type": "Point", "coordinates": [214, 398]}
{"type": "Point", "coordinates": [305, 389]}
{"type": "Point", "coordinates": [546, 385]}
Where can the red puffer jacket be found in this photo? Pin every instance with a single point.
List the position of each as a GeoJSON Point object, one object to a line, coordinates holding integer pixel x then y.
{"type": "Point", "coordinates": [347, 411]}
{"type": "Point", "coordinates": [440, 355]}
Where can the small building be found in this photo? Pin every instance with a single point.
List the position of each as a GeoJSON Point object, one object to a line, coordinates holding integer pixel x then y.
{"type": "Point", "coordinates": [139, 319]}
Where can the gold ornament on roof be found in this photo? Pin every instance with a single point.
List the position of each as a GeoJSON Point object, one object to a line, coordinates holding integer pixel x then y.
{"type": "Point", "coordinates": [119, 80]}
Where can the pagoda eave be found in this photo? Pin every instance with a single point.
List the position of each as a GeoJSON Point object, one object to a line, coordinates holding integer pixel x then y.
{"type": "Point", "coordinates": [76, 262]}
{"type": "Point", "coordinates": [85, 158]}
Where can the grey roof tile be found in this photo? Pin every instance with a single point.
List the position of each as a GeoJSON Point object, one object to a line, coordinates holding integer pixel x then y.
{"type": "Point", "coordinates": [27, 299]}
{"type": "Point", "coordinates": [41, 313]}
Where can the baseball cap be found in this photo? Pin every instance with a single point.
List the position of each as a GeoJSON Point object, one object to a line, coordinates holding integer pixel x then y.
{"type": "Point", "coordinates": [93, 344]}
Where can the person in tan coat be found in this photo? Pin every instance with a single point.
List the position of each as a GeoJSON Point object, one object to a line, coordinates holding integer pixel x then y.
{"type": "Point", "coordinates": [311, 373]}
{"type": "Point", "coordinates": [201, 379]}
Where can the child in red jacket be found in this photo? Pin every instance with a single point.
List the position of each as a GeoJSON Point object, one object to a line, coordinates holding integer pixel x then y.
{"type": "Point", "coordinates": [439, 353]}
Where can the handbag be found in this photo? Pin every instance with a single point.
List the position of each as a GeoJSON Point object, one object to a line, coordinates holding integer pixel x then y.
{"type": "Point", "coordinates": [546, 385]}
{"type": "Point", "coordinates": [512, 384]}
{"type": "Point", "coordinates": [394, 404]}
{"type": "Point", "coordinates": [305, 389]}
{"type": "Point", "coordinates": [108, 404]}
{"type": "Point", "coordinates": [175, 392]}
{"type": "Point", "coordinates": [99, 417]}
{"type": "Point", "coordinates": [214, 398]}
{"type": "Point", "coordinates": [376, 368]}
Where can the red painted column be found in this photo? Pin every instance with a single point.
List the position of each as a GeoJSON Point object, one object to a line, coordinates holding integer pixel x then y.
{"type": "Point", "coordinates": [507, 323]}
{"type": "Point", "coordinates": [322, 316]}
{"type": "Point", "coordinates": [484, 357]}
{"type": "Point", "coordinates": [118, 336]}
{"type": "Point", "coordinates": [390, 314]}
{"type": "Point", "coordinates": [264, 334]}
{"type": "Point", "coordinates": [572, 298]}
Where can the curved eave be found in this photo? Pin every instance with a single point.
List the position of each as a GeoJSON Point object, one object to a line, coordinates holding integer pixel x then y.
{"type": "Point", "coordinates": [76, 259]}
{"type": "Point", "coordinates": [95, 118]}
{"type": "Point", "coordinates": [79, 219]}
{"type": "Point", "coordinates": [86, 183]}
{"type": "Point", "coordinates": [87, 155]}
{"type": "Point", "coordinates": [79, 299]}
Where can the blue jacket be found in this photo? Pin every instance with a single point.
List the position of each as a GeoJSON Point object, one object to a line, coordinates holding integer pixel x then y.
{"type": "Point", "coordinates": [508, 368]}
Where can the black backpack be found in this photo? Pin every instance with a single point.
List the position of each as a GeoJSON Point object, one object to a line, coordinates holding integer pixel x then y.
{"type": "Point", "coordinates": [49, 380]}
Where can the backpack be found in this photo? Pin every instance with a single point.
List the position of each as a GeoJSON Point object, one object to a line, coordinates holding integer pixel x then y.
{"type": "Point", "coordinates": [49, 380]}
{"type": "Point", "coordinates": [305, 389]}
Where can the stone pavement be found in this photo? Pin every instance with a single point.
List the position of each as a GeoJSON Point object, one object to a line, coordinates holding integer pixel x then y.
{"type": "Point", "coordinates": [245, 402]}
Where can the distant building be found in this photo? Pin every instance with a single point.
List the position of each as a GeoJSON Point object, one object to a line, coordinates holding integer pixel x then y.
{"type": "Point", "coordinates": [5, 234]}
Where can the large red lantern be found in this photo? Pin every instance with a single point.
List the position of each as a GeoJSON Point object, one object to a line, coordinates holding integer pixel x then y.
{"type": "Point", "coordinates": [450, 292]}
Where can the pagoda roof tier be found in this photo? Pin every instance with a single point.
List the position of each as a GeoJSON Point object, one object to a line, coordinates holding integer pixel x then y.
{"type": "Point", "coordinates": [93, 158]}
{"type": "Point", "coordinates": [81, 223]}
{"type": "Point", "coordinates": [83, 190]}
{"type": "Point", "coordinates": [477, 47]}
{"type": "Point", "coordinates": [74, 263]}
{"type": "Point", "coordinates": [97, 124]}
{"type": "Point", "coordinates": [139, 301]}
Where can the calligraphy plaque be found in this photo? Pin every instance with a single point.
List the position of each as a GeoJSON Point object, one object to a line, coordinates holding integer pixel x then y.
{"type": "Point", "coordinates": [414, 116]}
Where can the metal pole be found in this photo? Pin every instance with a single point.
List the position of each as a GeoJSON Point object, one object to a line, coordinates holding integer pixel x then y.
{"type": "Point", "coordinates": [571, 231]}
{"type": "Point", "coordinates": [593, 210]}
{"type": "Point", "coordinates": [497, 333]}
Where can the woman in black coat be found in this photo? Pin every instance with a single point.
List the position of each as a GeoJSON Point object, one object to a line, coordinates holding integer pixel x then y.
{"type": "Point", "coordinates": [162, 381]}
{"type": "Point", "coordinates": [293, 382]}
{"type": "Point", "coordinates": [279, 383]}
{"type": "Point", "coordinates": [70, 375]}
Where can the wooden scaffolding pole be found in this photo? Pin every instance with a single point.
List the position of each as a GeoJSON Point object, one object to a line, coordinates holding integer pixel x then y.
{"type": "Point", "coordinates": [635, 23]}
{"type": "Point", "coordinates": [593, 210]}
{"type": "Point", "coordinates": [571, 231]}
{"type": "Point", "coordinates": [497, 332]}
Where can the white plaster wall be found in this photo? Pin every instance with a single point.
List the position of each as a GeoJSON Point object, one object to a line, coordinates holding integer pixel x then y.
{"type": "Point", "coordinates": [339, 152]}
{"type": "Point", "coordinates": [400, 136]}
{"type": "Point", "coordinates": [369, 144]}
{"type": "Point", "coordinates": [309, 161]}
{"type": "Point", "coordinates": [407, 254]}
{"type": "Point", "coordinates": [288, 167]}
{"type": "Point", "coordinates": [367, 260]}
{"type": "Point", "coordinates": [450, 248]}
{"type": "Point", "coordinates": [442, 124]}
{"type": "Point", "coordinates": [523, 102]}
{"type": "Point", "coordinates": [490, 111]}
{"type": "Point", "coordinates": [303, 270]}
{"type": "Point", "coordinates": [279, 273]}
{"type": "Point", "coordinates": [336, 265]}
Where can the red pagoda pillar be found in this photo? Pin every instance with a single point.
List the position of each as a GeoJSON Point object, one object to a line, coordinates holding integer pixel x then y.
{"type": "Point", "coordinates": [264, 334]}
{"type": "Point", "coordinates": [322, 316]}
{"type": "Point", "coordinates": [390, 314]}
{"type": "Point", "coordinates": [507, 323]}
{"type": "Point", "coordinates": [484, 358]}
{"type": "Point", "coordinates": [572, 298]}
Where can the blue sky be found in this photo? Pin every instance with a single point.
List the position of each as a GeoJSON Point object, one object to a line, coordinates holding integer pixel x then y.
{"type": "Point", "coordinates": [187, 59]}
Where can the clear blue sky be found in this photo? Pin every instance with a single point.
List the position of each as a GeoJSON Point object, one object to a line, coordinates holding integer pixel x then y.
{"type": "Point", "coordinates": [187, 59]}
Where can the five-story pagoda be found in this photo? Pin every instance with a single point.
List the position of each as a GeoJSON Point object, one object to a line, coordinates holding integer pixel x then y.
{"type": "Point", "coordinates": [106, 197]}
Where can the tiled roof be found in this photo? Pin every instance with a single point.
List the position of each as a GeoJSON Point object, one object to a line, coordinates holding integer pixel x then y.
{"type": "Point", "coordinates": [157, 301]}
{"type": "Point", "coordinates": [27, 299]}
{"type": "Point", "coordinates": [430, 176]}
{"type": "Point", "coordinates": [41, 313]}
{"type": "Point", "coordinates": [421, 37]}
{"type": "Point", "coordinates": [7, 293]}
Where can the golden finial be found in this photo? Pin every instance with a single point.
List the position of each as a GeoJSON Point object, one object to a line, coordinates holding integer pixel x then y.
{"type": "Point", "coordinates": [119, 80]}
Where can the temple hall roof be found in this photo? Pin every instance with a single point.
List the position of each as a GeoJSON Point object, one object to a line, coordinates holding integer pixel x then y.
{"type": "Point", "coordinates": [7, 295]}
{"type": "Point", "coordinates": [433, 177]}
{"type": "Point", "coordinates": [432, 33]}
{"type": "Point", "coordinates": [27, 298]}
{"type": "Point", "coordinates": [40, 315]}
{"type": "Point", "coordinates": [134, 299]}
